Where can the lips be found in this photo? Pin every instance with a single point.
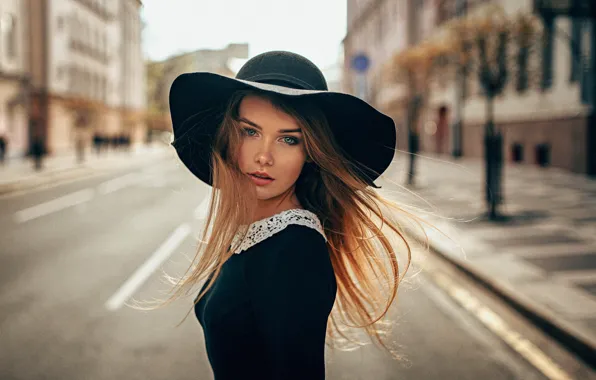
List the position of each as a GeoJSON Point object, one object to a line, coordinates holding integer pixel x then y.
{"type": "Point", "coordinates": [260, 181]}
{"type": "Point", "coordinates": [260, 175]}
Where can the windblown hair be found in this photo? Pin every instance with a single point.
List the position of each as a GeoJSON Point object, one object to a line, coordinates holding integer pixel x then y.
{"type": "Point", "coordinates": [362, 226]}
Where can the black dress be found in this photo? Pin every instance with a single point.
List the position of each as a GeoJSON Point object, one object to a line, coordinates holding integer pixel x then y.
{"type": "Point", "coordinates": [266, 315]}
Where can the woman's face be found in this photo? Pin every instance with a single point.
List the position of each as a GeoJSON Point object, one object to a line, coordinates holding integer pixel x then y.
{"type": "Point", "coordinates": [272, 144]}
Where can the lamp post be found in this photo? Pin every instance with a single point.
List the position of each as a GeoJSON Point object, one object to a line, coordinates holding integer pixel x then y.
{"type": "Point", "coordinates": [457, 133]}
{"type": "Point", "coordinates": [481, 42]}
{"type": "Point", "coordinates": [579, 9]}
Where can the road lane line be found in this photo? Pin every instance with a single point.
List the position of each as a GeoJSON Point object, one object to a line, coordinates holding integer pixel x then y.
{"type": "Point", "coordinates": [201, 211]}
{"type": "Point", "coordinates": [54, 205]}
{"type": "Point", "coordinates": [499, 327]}
{"type": "Point", "coordinates": [144, 271]}
{"type": "Point", "coordinates": [118, 183]}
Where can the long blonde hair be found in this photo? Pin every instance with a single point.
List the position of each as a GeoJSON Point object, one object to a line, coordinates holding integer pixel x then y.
{"type": "Point", "coordinates": [364, 258]}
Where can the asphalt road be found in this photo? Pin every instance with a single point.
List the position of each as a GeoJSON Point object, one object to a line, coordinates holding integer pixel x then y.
{"type": "Point", "coordinates": [71, 256]}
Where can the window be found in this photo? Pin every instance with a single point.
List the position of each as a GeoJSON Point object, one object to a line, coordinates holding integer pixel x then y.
{"type": "Point", "coordinates": [86, 83]}
{"type": "Point", "coordinates": [575, 55]}
{"type": "Point", "coordinates": [523, 55]}
{"type": "Point", "coordinates": [548, 53]}
{"type": "Point", "coordinates": [96, 41]}
{"type": "Point", "coordinates": [74, 79]}
{"type": "Point", "coordinates": [104, 89]}
{"type": "Point", "coordinates": [85, 34]}
{"type": "Point", "coordinates": [71, 79]}
{"type": "Point", "coordinates": [60, 23]}
{"type": "Point", "coordinates": [76, 27]}
{"type": "Point", "coordinates": [104, 43]}
{"type": "Point", "coordinates": [95, 86]}
{"type": "Point", "coordinates": [8, 25]}
{"type": "Point", "coordinates": [381, 14]}
{"type": "Point", "coordinates": [517, 152]}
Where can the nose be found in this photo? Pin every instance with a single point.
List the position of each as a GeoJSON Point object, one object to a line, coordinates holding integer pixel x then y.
{"type": "Point", "coordinates": [264, 157]}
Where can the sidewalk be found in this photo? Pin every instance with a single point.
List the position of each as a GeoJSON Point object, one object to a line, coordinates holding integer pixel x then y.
{"type": "Point", "coordinates": [19, 174]}
{"type": "Point", "coordinates": [542, 260]}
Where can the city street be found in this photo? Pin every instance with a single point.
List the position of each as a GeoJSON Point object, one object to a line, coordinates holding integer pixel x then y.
{"type": "Point", "coordinates": [73, 255]}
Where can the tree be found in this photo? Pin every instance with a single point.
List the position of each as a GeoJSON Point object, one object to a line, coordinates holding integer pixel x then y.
{"type": "Point", "coordinates": [415, 66]}
{"type": "Point", "coordinates": [493, 45]}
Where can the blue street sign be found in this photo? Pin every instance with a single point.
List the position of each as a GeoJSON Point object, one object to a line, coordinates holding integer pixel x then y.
{"type": "Point", "coordinates": [360, 62]}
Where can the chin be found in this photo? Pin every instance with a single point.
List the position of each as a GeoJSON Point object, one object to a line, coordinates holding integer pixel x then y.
{"type": "Point", "coordinates": [264, 195]}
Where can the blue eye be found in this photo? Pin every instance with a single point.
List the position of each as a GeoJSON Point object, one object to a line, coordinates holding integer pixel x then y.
{"type": "Point", "coordinates": [248, 131]}
{"type": "Point", "coordinates": [291, 140]}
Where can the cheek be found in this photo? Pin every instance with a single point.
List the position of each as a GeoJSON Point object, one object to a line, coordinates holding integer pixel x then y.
{"type": "Point", "coordinates": [292, 167]}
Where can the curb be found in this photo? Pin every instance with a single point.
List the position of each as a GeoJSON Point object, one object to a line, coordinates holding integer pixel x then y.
{"type": "Point", "coordinates": [561, 331]}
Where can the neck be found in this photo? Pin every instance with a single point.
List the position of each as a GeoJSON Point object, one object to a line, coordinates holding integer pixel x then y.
{"type": "Point", "coordinates": [270, 207]}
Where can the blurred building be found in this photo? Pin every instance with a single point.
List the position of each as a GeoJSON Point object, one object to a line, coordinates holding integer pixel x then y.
{"type": "Point", "coordinates": [84, 60]}
{"type": "Point", "coordinates": [134, 79]}
{"type": "Point", "coordinates": [13, 75]}
{"type": "Point", "coordinates": [545, 120]}
{"type": "Point", "coordinates": [333, 76]}
{"type": "Point", "coordinates": [380, 29]}
{"type": "Point", "coordinates": [161, 75]}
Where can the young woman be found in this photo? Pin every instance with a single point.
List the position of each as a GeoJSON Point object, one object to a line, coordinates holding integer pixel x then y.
{"type": "Point", "coordinates": [295, 228]}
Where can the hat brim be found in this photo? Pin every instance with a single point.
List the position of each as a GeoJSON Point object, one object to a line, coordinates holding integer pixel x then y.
{"type": "Point", "coordinates": [197, 105]}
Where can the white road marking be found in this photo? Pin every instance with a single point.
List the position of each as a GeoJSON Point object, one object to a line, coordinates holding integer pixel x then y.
{"type": "Point", "coordinates": [77, 197]}
{"type": "Point", "coordinates": [144, 271]}
{"type": "Point", "coordinates": [201, 211]}
{"type": "Point", "coordinates": [499, 327]}
{"type": "Point", "coordinates": [118, 183]}
{"type": "Point", "coordinates": [54, 205]}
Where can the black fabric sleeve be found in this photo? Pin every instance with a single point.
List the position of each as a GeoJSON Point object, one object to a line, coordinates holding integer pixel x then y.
{"type": "Point", "coordinates": [292, 290]}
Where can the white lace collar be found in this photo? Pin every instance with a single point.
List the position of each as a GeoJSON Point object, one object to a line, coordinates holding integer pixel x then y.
{"type": "Point", "coordinates": [265, 228]}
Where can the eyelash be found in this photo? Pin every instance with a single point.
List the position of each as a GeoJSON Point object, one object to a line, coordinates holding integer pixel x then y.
{"type": "Point", "coordinates": [296, 140]}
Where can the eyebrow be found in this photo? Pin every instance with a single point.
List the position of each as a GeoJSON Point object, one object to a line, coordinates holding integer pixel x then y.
{"type": "Point", "coordinates": [244, 120]}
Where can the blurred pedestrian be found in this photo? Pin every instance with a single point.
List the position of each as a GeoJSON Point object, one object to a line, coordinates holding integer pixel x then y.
{"type": "Point", "coordinates": [97, 143]}
{"type": "Point", "coordinates": [3, 147]}
{"type": "Point", "coordinates": [80, 136]}
{"type": "Point", "coordinates": [442, 129]}
{"type": "Point", "coordinates": [3, 141]}
{"type": "Point", "coordinates": [295, 221]}
{"type": "Point", "coordinates": [37, 152]}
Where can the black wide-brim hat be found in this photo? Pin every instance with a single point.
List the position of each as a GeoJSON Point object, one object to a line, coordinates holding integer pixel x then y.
{"type": "Point", "coordinates": [198, 102]}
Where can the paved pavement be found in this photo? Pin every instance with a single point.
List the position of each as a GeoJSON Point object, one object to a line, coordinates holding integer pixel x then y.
{"type": "Point", "coordinates": [543, 259]}
{"type": "Point", "coordinates": [65, 275]}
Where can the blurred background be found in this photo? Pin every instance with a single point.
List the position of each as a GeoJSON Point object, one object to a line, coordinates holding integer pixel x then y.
{"type": "Point", "coordinates": [494, 104]}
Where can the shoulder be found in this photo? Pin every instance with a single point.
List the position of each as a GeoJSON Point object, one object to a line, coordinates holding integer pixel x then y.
{"type": "Point", "coordinates": [297, 239]}
{"type": "Point", "coordinates": [294, 249]}
{"type": "Point", "coordinates": [302, 235]}
{"type": "Point", "coordinates": [278, 228]}
{"type": "Point", "coordinates": [297, 265]}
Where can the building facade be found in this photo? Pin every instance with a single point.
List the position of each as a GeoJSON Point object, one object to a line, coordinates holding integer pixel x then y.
{"type": "Point", "coordinates": [80, 53]}
{"type": "Point", "coordinates": [14, 77]}
{"type": "Point", "coordinates": [544, 122]}
{"type": "Point", "coordinates": [380, 29]}
{"type": "Point", "coordinates": [133, 78]}
{"type": "Point", "coordinates": [161, 75]}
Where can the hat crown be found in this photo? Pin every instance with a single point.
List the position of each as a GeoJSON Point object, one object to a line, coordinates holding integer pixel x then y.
{"type": "Point", "coordinates": [283, 68]}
